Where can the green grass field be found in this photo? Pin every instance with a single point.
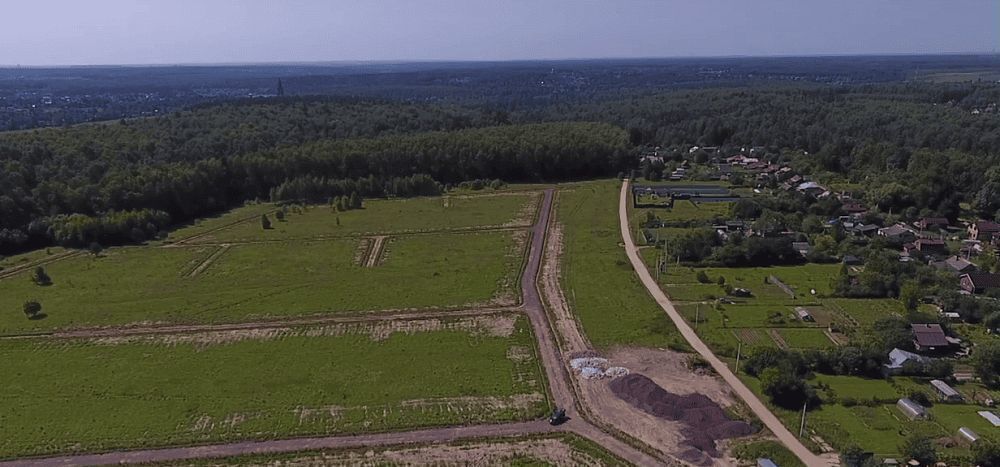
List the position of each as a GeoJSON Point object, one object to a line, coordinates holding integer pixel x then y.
{"type": "Point", "coordinates": [611, 304]}
{"type": "Point", "coordinates": [378, 216]}
{"type": "Point", "coordinates": [7, 262]}
{"type": "Point", "coordinates": [114, 393]}
{"type": "Point", "coordinates": [147, 284]}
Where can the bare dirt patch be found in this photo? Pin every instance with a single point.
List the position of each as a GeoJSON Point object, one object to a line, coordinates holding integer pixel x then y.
{"type": "Point", "coordinates": [704, 420]}
{"type": "Point", "coordinates": [573, 339]}
{"type": "Point", "coordinates": [361, 253]}
{"type": "Point", "coordinates": [669, 371]}
{"type": "Point", "coordinates": [553, 451]}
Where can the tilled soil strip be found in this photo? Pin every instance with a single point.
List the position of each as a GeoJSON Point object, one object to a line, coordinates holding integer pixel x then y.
{"type": "Point", "coordinates": [375, 252]}
{"type": "Point", "coordinates": [208, 261]}
{"type": "Point", "coordinates": [255, 325]}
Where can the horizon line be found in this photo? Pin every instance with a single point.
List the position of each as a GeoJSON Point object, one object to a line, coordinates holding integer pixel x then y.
{"type": "Point", "coordinates": [486, 61]}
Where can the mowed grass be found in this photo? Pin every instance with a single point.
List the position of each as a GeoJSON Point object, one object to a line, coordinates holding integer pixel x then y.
{"type": "Point", "coordinates": [68, 396]}
{"type": "Point", "coordinates": [611, 304]}
{"type": "Point", "coordinates": [380, 216]}
{"type": "Point", "coordinates": [145, 284]}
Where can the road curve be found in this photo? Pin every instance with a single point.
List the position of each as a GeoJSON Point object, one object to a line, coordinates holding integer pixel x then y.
{"type": "Point", "coordinates": [549, 352]}
{"type": "Point", "coordinates": [758, 407]}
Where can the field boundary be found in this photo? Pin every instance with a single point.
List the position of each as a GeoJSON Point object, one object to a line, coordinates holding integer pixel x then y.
{"type": "Point", "coordinates": [373, 316]}
{"type": "Point", "coordinates": [356, 235]}
{"type": "Point", "coordinates": [13, 271]}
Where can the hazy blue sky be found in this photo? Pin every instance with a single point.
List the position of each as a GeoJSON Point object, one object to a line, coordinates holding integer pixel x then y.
{"type": "Point", "coordinates": [47, 32]}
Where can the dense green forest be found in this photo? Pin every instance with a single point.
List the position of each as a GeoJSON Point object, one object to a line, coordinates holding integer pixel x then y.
{"type": "Point", "coordinates": [918, 148]}
{"type": "Point", "coordinates": [127, 181]}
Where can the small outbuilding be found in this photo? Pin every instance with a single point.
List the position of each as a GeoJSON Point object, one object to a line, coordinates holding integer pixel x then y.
{"type": "Point", "coordinates": [765, 462]}
{"type": "Point", "coordinates": [946, 392]}
{"type": "Point", "coordinates": [968, 434]}
{"type": "Point", "coordinates": [804, 315]}
{"type": "Point", "coordinates": [911, 409]}
{"type": "Point", "coordinates": [990, 417]}
{"type": "Point", "coordinates": [898, 358]}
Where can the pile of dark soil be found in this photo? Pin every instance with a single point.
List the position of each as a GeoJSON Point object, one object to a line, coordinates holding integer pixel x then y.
{"type": "Point", "coordinates": [704, 421]}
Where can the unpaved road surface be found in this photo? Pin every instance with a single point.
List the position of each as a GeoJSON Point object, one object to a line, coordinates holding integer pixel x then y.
{"type": "Point", "coordinates": [553, 362]}
{"type": "Point", "coordinates": [763, 413]}
{"type": "Point", "coordinates": [288, 445]}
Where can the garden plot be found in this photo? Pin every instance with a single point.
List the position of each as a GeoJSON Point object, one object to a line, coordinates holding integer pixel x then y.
{"type": "Point", "coordinates": [146, 285]}
{"type": "Point", "coordinates": [94, 395]}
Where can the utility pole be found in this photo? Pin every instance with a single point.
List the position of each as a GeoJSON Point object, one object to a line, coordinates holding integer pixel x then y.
{"type": "Point", "coordinates": [802, 426]}
{"type": "Point", "coordinates": [739, 352]}
{"type": "Point", "coordinates": [697, 316]}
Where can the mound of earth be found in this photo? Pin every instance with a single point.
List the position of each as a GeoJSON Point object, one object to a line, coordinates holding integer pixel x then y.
{"type": "Point", "coordinates": [704, 420]}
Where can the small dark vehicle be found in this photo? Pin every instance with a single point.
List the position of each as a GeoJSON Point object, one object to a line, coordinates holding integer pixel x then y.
{"type": "Point", "coordinates": [558, 417]}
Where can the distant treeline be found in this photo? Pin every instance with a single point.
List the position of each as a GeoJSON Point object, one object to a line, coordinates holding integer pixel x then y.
{"type": "Point", "coordinates": [120, 183]}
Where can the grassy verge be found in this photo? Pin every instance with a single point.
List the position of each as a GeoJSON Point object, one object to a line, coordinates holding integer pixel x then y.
{"type": "Point", "coordinates": [613, 307]}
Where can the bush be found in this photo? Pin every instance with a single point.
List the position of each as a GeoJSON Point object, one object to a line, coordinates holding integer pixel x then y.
{"type": "Point", "coordinates": [31, 308]}
{"type": "Point", "coordinates": [40, 277]}
{"type": "Point", "coordinates": [703, 277]}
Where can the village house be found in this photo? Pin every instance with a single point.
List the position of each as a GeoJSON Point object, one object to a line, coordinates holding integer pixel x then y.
{"type": "Point", "coordinates": [926, 246]}
{"type": "Point", "coordinates": [897, 232]}
{"type": "Point", "coordinates": [927, 223]}
{"type": "Point", "coordinates": [853, 208]}
{"type": "Point", "coordinates": [811, 188]}
{"type": "Point", "coordinates": [955, 265]}
{"type": "Point", "coordinates": [984, 231]}
{"type": "Point", "coordinates": [929, 337]}
{"type": "Point", "coordinates": [979, 282]}
{"type": "Point", "coordinates": [802, 247]}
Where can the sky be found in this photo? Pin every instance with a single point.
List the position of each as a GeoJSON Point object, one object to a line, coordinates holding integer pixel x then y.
{"type": "Point", "coordinates": [99, 32]}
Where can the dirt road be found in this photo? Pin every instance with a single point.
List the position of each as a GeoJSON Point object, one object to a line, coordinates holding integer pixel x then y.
{"type": "Point", "coordinates": [437, 435]}
{"type": "Point", "coordinates": [553, 362]}
{"type": "Point", "coordinates": [758, 407]}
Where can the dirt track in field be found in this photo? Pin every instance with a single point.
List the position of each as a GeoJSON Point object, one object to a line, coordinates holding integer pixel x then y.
{"type": "Point", "coordinates": [13, 271]}
{"type": "Point", "coordinates": [554, 364]}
